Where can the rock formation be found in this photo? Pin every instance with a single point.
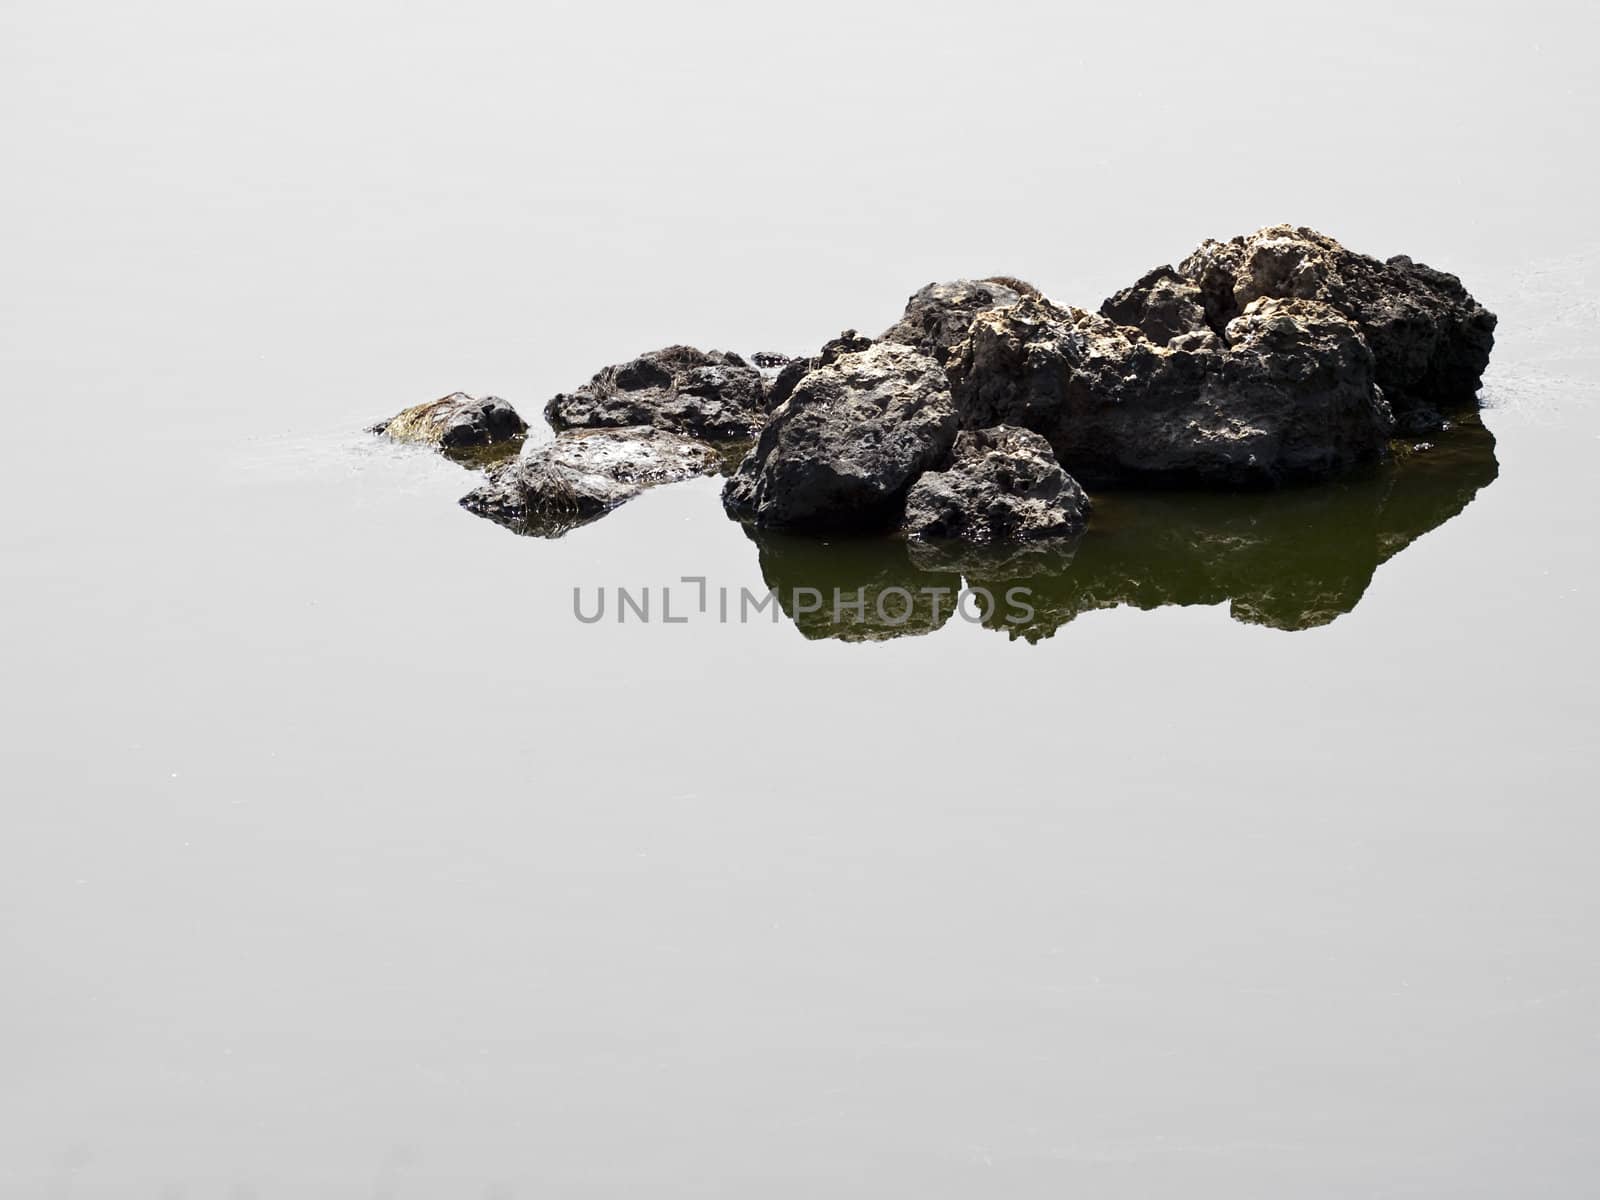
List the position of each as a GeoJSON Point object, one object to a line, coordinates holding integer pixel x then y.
{"type": "Point", "coordinates": [1285, 394]}
{"type": "Point", "coordinates": [705, 394]}
{"type": "Point", "coordinates": [1429, 338]}
{"type": "Point", "coordinates": [584, 474]}
{"type": "Point", "coordinates": [937, 317]}
{"type": "Point", "coordinates": [455, 422]}
{"type": "Point", "coordinates": [1271, 359]}
{"type": "Point", "coordinates": [843, 449]}
{"type": "Point", "coordinates": [1002, 485]}
{"type": "Point", "coordinates": [796, 369]}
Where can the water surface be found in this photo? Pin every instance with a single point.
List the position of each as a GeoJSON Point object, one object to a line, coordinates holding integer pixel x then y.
{"type": "Point", "coordinates": [339, 860]}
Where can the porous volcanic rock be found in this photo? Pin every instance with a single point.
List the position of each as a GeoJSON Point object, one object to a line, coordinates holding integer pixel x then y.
{"type": "Point", "coordinates": [584, 474]}
{"type": "Point", "coordinates": [1162, 305]}
{"type": "Point", "coordinates": [1286, 393]}
{"type": "Point", "coordinates": [455, 422]}
{"type": "Point", "coordinates": [843, 449]}
{"type": "Point", "coordinates": [1002, 485]}
{"type": "Point", "coordinates": [796, 369]}
{"type": "Point", "coordinates": [707, 394]}
{"type": "Point", "coordinates": [937, 317]}
{"type": "Point", "coordinates": [1430, 339]}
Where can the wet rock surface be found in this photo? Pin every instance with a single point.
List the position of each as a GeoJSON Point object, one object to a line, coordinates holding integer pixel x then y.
{"type": "Point", "coordinates": [584, 474]}
{"type": "Point", "coordinates": [843, 449]}
{"type": "Point", "coordinates": [706, 394]}
{"type": "Point", "coordinates": [1430, 339]}
{"type": "Point", "coordinates": [1002, 485]}
{"type": "Point", "coordinates": [1285, 395]}
{"type": "Point", "coordinates": [455, 422]}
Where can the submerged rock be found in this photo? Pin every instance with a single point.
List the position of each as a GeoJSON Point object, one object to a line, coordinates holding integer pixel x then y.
{"type": "Point", "coordinates": [938, 316]}
{"type": "Point", "coordinates": [1430, 339]}
{"type": "Point", "coordinates": [1285, 394]}
{"type": "Point", "coordinates": [584, 474]}
{"type": "Point", "coordinates": [455, 422]}
{"type": "Point", "coordinates": [1002, 485]}
{"type": "Point", "coordinates": [842, 450]}
{"type": "Point", "coordinates": [706, 394]}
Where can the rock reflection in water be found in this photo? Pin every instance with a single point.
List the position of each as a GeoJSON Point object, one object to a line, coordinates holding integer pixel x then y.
{"type": "Point", "coordinates": [808, 573]}
{"type": "Point", "coordinates": [1291, 559]}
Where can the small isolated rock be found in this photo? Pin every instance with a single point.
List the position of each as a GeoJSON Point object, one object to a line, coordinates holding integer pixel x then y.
{"type": "Point", "coordinates": [584, 474]}
{"type": "Point", "coordinates": [706, 394]}
{"type": "Point", "coordinates": [770, 360]}
{"type": "Point", "coordinates": [1003, 485]}
{"type": "Point", "coordinates": [1430, 339]}
{"type": "Point", "coordinates": [842, 451]}
{"type": "Point", "coordinates": [455, 422]}
{"type": "Point", "coordinates": [937, 317]}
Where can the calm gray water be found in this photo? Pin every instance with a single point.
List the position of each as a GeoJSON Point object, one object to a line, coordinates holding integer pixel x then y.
{"type": "Point", "coordinates": [339, 861]}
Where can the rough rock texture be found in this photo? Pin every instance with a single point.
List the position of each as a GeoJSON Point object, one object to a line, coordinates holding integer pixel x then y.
{"type": "Point", "coordinates": [843, 449]}
{"type": "Point", "coordinates": [709, 395]}
{"type": "Point", "coordinates": [1286, 393]}
{"type": "Point", "coordinates": [937, 317]}
{"type": "Point", "coordinates": [1162, 305]}
{"type": "Point", "coordinates": [1002, 485]}
{"type": "Point", "coordinates": [455, 422]}
{"type": "Point", "coordinates": [797, 369]}
{"type": "Point", "coordinates": [583, 474]}
{"type": "Point", "coordinates": [1431, 340]}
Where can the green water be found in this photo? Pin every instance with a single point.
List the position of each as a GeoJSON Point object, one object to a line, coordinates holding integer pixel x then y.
{"type": "Point", "coordinates": [1293, 559]}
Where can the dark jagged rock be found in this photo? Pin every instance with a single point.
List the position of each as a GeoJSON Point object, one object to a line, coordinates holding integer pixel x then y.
{"type": "Point", "coordinates": [937, 317]}
{"type": "Point", "coordinates": [710, 395]}
{"type": "Point", "coordinates": [842, 450]}
{"type": "Point", "coordinates": [797, 369]}
{"type": "Point", "coordinates": [1431, 340]}
{"type": "Point", "coordinates": [584, 474]}
{"type": "Point", "coordinates": [1162, 305]}
{"type": "Point", "coordinates": [455, 422]}
{"type": "Point", "coordinates": [769, 360]}
{"type": "Point", "coordinates": [1002, 485]}
{"type": "Point", "coordinates": [1286, 394]}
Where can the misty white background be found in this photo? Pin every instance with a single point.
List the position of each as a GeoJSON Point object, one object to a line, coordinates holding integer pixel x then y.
{"type": "Point", "coordinates": [336, 860]}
